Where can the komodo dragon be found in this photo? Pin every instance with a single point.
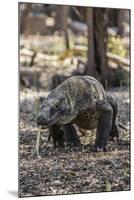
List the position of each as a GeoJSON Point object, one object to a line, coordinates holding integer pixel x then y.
{"type": "Point", "coordinates": [80, 100]}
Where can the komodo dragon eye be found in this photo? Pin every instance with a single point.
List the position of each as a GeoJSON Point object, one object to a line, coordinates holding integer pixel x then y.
{"type": "Point", "coordinates": [56, 106]}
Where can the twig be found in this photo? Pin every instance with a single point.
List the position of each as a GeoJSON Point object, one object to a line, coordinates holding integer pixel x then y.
{"type": "Point", "coordinates": [36, 150]}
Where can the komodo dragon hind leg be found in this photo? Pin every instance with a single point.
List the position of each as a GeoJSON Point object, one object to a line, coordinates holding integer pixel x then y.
{"type": "Point", "coordinates": [104, 127]}
{"type": "Point", "coordinates": [115, 126]}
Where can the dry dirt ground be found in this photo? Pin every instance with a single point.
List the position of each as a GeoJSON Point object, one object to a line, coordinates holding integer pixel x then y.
{"type": "Point", "coordinates": [74, 170]}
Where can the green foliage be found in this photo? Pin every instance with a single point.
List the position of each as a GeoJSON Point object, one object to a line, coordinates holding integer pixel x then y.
{"type": "Point", "coordinates": [115, 46]}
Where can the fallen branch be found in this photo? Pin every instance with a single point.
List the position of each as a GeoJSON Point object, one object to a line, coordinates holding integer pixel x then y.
{"type": "Point", "coordinates": [26, 71]}
{"type": "Point", "coordinates": [118, 59]}
{"type": "Point", "coordinates": [26, 52]}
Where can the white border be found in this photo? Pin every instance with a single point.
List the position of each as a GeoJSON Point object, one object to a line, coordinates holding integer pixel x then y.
{"type": "Point", "coordinates": [9, 98]}
{"type": "Point", "coordinates": [95, 3]}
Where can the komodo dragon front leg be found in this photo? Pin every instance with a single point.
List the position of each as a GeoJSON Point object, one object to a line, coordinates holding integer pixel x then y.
{"type": "Point", "coordinates": [66, 134]}
{"type": "Point", "coordinates": [104, 125]}
{"type": "Point", "coordinates": [57, 135]}
{"type": "Point", "coordinates": [70, 135]}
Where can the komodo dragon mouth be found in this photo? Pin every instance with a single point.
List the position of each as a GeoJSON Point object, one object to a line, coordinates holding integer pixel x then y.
{"type": "Point", "coordinates": [41, 121]}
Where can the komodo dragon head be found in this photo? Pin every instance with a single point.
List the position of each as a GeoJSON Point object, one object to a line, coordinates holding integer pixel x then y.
{"type": "Point", "coordinates": [56, 108]}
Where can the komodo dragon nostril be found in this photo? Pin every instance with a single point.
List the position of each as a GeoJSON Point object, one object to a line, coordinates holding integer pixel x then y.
{"type": "Point", "coordinates": [39, 120]}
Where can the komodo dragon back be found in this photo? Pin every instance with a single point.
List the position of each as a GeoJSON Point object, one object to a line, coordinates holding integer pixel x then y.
{"type": "Point", "coordinates": [82, 92]}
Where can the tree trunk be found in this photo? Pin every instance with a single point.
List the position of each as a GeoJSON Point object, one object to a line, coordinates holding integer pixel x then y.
{"type": "Point", "coordinates": [97, 38]}
{"type": "Point", "coordinates": [100, 41]}
{"type": "Point", "coordinates": [123, 22]}
{"type": "Point", "coordinates": [90, 69]}
{"type": "Point", "coordinates": [62, 13]}
{"type": "Point", "coordinates": [61, 17]}
{"type": "Point", "coordinates": [24, 17]}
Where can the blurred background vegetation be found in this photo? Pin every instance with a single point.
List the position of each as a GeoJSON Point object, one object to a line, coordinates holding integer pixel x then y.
{"type": "Point", "coordinates": [72, 40]}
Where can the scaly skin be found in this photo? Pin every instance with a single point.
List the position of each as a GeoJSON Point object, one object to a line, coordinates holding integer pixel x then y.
{"type": "Point", "coordinates": [81, 100]}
